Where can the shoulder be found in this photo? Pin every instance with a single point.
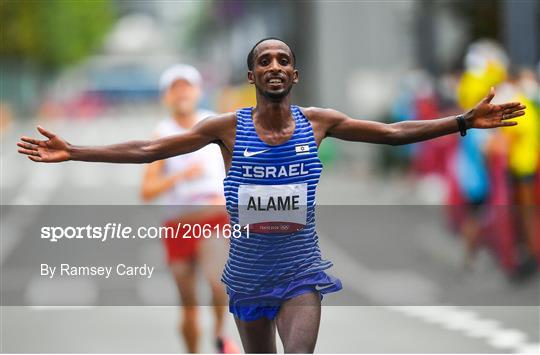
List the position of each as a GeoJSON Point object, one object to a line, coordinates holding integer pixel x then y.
{"type": "Point", "coordinates": [221, 118]}
{"type": "Point", "coordinates": [324, 120]}
{"type": "Point", "coordinates": [322, 116]}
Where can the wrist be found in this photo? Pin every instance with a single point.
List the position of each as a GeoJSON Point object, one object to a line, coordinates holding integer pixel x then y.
{"type": "Point", "coordinates": [468, 117]}
{"type": "Point", "coordinates": [461, 125]}
{"type": "Point", "coordinates": [72, 152]}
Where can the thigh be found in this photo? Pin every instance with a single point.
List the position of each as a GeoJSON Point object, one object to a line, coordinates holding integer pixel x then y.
{"type": "Point", "coordinates": [298, 323]}
{"type": "Point", "coordinates": [258, 336]}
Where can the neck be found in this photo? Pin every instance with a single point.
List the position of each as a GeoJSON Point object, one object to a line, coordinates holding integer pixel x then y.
{"type": "Point", "coordinates": [185, 120]}
{"type": "Point", "coordinates": [273, 115]}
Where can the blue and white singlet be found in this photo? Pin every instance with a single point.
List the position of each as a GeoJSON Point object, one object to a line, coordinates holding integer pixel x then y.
{"type": "Point", "coordinates": [272, 188]}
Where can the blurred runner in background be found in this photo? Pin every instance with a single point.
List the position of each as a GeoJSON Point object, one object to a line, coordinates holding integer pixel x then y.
{"type": "Point", "coordinates": [523, 146]}
{"type": "Point", "coordinates": [193, 190]}
{"type": "Point", "coordinates": [473, 181]}
{"type": "Point", "coordinates": [484, 68]}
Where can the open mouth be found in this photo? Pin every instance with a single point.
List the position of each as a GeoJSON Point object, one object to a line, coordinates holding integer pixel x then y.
{"type": "Point", "coordinates": [275, 81]}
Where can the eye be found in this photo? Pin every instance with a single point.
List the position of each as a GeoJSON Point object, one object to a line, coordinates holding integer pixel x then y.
{"type": "Point", "coordinates": [264, 62]}
{"type": "Point", "coordinates": [284, 61]}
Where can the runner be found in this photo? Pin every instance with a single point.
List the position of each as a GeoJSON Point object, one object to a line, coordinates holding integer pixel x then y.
{"type": "Point", "coordinates": [523, 145]}
{"type": "Point", "coordinates": [192, 185]}
{"type": "Point", "coordinates": [270, 155]}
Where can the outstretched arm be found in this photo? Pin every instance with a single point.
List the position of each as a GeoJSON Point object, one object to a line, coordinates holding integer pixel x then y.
{"type": "Point", "coordinates": [54, 149]}
{"type": "Point", "coordinates": [484, 115]}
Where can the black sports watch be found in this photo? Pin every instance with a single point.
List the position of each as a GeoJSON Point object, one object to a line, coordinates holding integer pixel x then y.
{"type": "Point", "coordinates": [461, 125]}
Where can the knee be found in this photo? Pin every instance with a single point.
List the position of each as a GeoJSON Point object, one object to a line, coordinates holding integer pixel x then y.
{"type": "Point", "coordinates": [299, 349]}
{"type": "Point", "coordinates": [189, 316]}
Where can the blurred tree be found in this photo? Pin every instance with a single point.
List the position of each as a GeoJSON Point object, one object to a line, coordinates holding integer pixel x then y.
{"type": "Point", "coordinates": [53, 33]}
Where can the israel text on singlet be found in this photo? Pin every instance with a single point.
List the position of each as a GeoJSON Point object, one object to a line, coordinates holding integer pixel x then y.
{"type": "Point", "coordinates": [272, 188]}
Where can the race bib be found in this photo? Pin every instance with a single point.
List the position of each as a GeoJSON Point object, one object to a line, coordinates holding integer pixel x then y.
{"type": "Point", "coordinates": [273, 208]}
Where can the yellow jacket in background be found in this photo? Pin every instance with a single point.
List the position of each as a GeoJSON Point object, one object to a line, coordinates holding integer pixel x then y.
{"type": "Point", "coordinates": [524, 141]}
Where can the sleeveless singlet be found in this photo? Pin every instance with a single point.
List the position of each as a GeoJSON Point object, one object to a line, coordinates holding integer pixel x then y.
{"type": "Point", "coordinates": [202, 190]}
{"type": "Point", "coordinates": [272, 188]}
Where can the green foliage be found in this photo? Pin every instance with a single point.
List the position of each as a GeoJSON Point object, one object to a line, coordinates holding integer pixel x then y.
{"type": "Point", "coordinates": [53, 33]}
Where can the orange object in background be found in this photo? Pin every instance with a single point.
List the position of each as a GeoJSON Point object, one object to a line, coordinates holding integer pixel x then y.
{"type": "Point", "coordinates": [5, 117]}
{"type": "Point", "coordinates": [232, 97]}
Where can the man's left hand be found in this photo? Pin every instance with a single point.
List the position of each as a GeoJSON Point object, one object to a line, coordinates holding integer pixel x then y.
{"type": "Point", "coordinates": [487, 115]}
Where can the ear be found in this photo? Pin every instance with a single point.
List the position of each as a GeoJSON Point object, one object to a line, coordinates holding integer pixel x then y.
{"type": "Point", "coordinates": [296, 77]}
{"type": "Point", "coordinates": [251, 78]}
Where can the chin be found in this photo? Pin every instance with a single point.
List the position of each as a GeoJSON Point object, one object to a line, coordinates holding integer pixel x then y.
{"type": "Point", "coordinates": [276, 95]}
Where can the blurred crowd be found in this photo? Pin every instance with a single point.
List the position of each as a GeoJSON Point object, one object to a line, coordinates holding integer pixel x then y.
{"type": "Point", "coordinates": [490, 178]}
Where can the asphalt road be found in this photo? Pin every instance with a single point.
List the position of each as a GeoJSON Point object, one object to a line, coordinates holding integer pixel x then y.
{"type": "Point", "coordinates": [405, 288]}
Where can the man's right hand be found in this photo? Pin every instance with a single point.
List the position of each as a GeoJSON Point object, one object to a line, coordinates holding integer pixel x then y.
{"type": "Point", "coordinates": [52, 150]}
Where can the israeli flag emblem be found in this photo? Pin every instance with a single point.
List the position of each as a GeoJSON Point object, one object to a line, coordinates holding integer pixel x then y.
{"type": "Point", "coordinates": [301, 148]}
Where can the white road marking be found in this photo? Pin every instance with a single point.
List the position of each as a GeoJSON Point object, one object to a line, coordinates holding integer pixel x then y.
{"type": "Point", "coordinates": [451, 318]}
{"type": "Point", "coordinates": [529, 349]}
{"type": "Point", "coordinates": [507, 339]}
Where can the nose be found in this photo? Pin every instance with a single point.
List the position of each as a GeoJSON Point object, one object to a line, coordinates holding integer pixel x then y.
{"type": "Point", "coordinates": [274, 65]}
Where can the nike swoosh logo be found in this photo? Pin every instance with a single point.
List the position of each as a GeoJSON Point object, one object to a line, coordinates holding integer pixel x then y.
{"type": "Point", "coordinates": [248, 154]}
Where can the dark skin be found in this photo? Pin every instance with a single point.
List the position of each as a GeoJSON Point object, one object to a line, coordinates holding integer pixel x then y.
{"type": "Point", "coordinates": [273, 75]}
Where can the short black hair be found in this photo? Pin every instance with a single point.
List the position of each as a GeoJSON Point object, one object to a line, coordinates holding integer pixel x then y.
{"type": "Point", "coordinates": [251, 55]}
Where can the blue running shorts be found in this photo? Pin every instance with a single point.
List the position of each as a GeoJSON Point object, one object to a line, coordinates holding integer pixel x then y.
{"type": "Point", "coordinates": [250, 307]}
